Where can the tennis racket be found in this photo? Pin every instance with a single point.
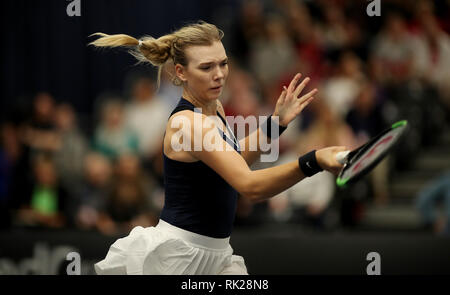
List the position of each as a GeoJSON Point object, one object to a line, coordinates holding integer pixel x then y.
{"type": "Point", "coordinates": [362, 160]}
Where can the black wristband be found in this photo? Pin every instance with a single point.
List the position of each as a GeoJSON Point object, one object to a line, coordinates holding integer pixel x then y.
{"type": "Point", "coordinates": [266, 127]}
{"type": "Point", "coordinates": [308, 164]}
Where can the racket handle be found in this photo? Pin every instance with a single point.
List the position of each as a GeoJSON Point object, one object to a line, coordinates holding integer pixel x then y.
{"type": "Point", "coordinates": [341, 157]}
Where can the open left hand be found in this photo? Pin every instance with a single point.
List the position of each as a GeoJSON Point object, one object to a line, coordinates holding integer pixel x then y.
{"type": "Point", "coordinates": [289, 104]}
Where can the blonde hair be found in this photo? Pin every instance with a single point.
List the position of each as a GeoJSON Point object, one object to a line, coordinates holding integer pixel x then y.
{"type": "Point", "coordinates": [169, 47]}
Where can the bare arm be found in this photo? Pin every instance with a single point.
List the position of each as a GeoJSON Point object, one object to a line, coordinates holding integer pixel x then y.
{"type": "Point", "coordinates": [256, 185]}
{"type": "Point", "coordinates": [251, 156]}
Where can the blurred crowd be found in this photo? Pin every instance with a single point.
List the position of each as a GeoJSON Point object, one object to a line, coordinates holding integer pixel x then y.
{"type": "Point", "coordinates": [57, 171]}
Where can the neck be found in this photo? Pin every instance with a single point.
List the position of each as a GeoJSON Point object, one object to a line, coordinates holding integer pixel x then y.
{"type": "Point", "coordinates": [208, 107]}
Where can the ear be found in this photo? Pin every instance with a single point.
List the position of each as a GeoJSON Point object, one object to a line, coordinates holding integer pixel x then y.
{"type": "Point", "coordinates": [180, 72]}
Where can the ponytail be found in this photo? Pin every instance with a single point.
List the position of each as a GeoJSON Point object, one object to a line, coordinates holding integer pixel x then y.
{"type": "Point", "coordinates": [158, 51]}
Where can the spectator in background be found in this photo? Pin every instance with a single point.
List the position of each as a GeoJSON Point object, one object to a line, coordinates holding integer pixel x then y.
{"type": "Point", "coordinates": [308, 200]}
{"type": "Point", "coordinates": [129, 202]}
{"type": "Point", "coordinates": [327, 128]}
{"type": "Point", "coordinates": [46, 203]}
{"type": "Point", "coordinates": [248, 28]}
{"type": "Point", "coordinates": [392, 52]}
{"type": "Point", "coordinates": [428, 200]}
{"type": "Point", "coordinates": [112, 137]}
{"type": "Point", "coordinates": [73, 147]}
{"type": "Point", "coordinates": [12, 170]}
{"type": "Point", "coordinates": [39, 133]}
{"type": "Point", "coordinates": [335, 30]}
{"type": "Point", "coordinates": [342, 27]}
{"type": "Point", "coordinates": [341, 89]}
{"type": "Point", "coordinates": [146, 114]}
{"type": "Point", "coordinates": [92, 195]}
{"type": "Point", "coordinates": [271, 57]}
{"type": "Point", "coordinates": [366, 113]}
{"type": "Point", "coordinates": [306, 35]}
{"type": "Point", "coordinates": [307, 38]}
{"type": "Point", "coordinates": [9, 152]}
{"type": "Point", "coordinates": [30, 135]}
{"type": "Point", "coordinates": [240, 97]}
{"type": "Point", "coordinates": [432, 55]}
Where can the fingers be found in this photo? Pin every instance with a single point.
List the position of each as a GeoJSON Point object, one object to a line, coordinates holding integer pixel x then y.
{"type": "Point", "coordinates": [329, 159]}
{"type": "Point", "coordinates": [308, 95]}
{"type": "Point", "coordinates": [303, 104]}
{"type": "Point", "coordinates": [341, 157]}
{"type": "Point", "coordinates": [293, 83]}
{"type": "Point", "coordinates": [283, 95]}
{"type": "Point", "coordinates": [341, 153]}
{"type": "Point", "coordinates": [307, 98]}
{"type": "Point", "coordinates": [301, 86]}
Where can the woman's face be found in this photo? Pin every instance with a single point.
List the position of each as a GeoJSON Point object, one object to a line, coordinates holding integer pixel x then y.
{"type": "Point", "coordinates": [206, 72]}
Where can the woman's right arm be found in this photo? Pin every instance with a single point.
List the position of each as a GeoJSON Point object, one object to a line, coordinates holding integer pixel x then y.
{"type": "Point", "coordinates": [256, 185]}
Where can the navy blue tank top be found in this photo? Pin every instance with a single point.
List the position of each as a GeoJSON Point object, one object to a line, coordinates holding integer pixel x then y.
{"type": "Point", "coordinates": [197, 199]}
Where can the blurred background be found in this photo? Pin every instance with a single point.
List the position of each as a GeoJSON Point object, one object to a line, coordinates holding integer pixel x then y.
{"type": "Point", "coordinates": [81, 130]}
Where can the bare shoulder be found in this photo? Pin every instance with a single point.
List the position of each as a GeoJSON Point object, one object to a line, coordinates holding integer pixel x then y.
{"type": "Point", "coordinates": [181, 131]}
{"type": "Point", "coordinates": [179, 116]}
{"type": "Point", "coordinates": [180, 121]}
{"type": "Point", "coordinates": [184, 119]}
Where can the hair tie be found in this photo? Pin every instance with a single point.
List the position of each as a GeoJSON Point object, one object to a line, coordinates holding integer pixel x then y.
{"type": "Point", "coordinates": [140, 43]}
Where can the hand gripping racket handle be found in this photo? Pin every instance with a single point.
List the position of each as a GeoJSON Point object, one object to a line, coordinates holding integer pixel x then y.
{"type": "Point", "coordinates": [341, 157]}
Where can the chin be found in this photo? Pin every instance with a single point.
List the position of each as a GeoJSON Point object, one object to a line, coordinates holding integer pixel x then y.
{"type": "Point", "coordinates": [214, 96]}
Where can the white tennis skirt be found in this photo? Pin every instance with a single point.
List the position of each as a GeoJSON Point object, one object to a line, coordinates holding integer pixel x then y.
{"type": "Point", "coordinates": [169, 250]}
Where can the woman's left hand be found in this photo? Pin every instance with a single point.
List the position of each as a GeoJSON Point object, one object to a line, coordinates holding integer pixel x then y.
{"type": "Point", "coordinates": [289, 104]}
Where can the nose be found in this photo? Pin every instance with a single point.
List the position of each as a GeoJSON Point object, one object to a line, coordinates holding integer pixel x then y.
{"type": "Point", "coordinates": [219, 74]}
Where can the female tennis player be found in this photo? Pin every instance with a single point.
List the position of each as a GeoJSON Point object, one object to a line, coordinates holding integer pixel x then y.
{"type": "Point", "coordinates": [202, 184]}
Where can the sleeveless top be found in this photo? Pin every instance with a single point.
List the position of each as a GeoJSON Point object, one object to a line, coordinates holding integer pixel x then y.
{"type": "Point", "coordinates": [197, 199]}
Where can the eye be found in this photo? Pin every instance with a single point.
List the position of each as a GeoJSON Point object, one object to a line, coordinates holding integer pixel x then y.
{"type": "Point", "coordinates": [224, 63]}
{"type": "Point", "coordinates": [205, 68]}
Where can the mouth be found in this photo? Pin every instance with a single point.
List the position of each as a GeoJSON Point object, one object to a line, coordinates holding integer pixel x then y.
{"type": "Point", "coordinates": [217, 88]}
